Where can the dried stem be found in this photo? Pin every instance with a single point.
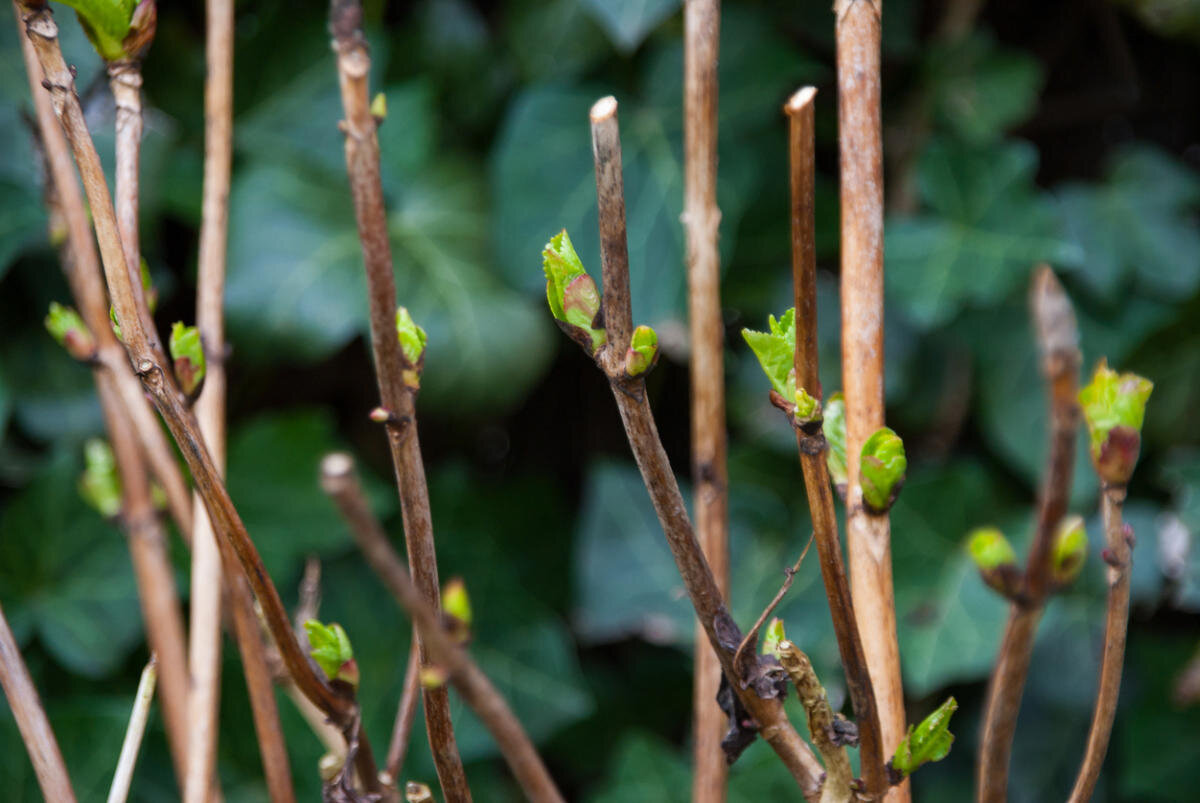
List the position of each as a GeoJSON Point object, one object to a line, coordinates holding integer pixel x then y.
{"type": "Point", "coordinates": [1058, 344]}
{"type": "Point", "coordinates": [630, 394]}
{"type": "Point", "coordinates": [43, 33]}
{"type": "Point", "coordinates": [406, 712]}
{"type": "Point", "coordinates": [751, 637]}
{"type": "Point", "coordinates": [147, 544]}
{"type": "Point", "coordinates": [868, 536]}
{"type": "Point", "coordinates": [362, 166]}
{"type": "Point", "coordinates": [339, 480]}
{"type": "Point", "coordinates": [812, 444]}
{"type": "Point", "coordinates": [701, 217]}
{"type": "Point", "coordinates": [123, 777]}
{"type": "Point", "coordinates": [31, 720]}
{"type": "Point", "coordinates": [1116, 624]}
{"type": "Point", "coordinates": [838, 774]}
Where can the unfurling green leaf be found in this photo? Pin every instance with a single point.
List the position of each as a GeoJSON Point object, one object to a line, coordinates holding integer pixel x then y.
{"type": "Point", "coordinates": [187, 356]}
{"type": "Point", "coordinates": [412, 346]}
{"type": "Point", "coordinates": [776, 352]}
{"type": "Point", "coordinates": [808, 409]}
{"type": "Point", "coordinates": [572, 295]}
{"type": "Point", "coordinates": [65, 326]}
{"type": "Point", "coordinates": [929, 741]}
{"type": "Point", "coordinates": [773, 635]}
{"type": "Point", "coordinates": [1114, 406]}
{"type": "Point", "coordinates": [834, 426]}
{"type": "Point", "coordinates": [1068, 551]}
{"type": "Point", "coordinates": [456, 605]}
{"type": "Point", "coordinates": [882, 469]}
{"type": "Point", "coordinates": [643, 351]}
{"type": "Point", "coordinates": [106, 23]}
{"type": "Point", "coordinates": [100, 486]}
{"type": "Point", "coordinates": [995, 559]}
{"type": "Point", "coordinates": [332, 651]}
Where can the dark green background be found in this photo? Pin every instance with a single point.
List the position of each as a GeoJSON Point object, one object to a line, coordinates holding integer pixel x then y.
{"type": "Point", "coordinates": [1061, 132]}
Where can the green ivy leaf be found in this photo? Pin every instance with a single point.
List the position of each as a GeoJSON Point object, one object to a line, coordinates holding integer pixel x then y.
{"type": "Point", "coordinates": [629, 22]}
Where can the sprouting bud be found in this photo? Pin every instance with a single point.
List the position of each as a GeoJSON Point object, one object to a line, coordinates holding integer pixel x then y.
{"type": "Point", "coordinates": [380, 415]}
{"type": "Point", "coordinates": [379, 107]}
{"type": "Point", "coordinates": [572, 295]}
{"type": "Point", "coordinates": [642, 353]}
{"type": "Point", "coordinates": [106, 23]}
{"type": "Point", "coordinates": [772, 636]}
{"type": "Point", "coordinates": [996, 560]}
{"type": "Point", "coordinates": [65, 326]}
{"type": "Point", "coordinates": [432, 677]}
{"type": "Point", "coordinates": [808, 409]}
{"type": "Point", "coordinates": [881, 469]}
{"type": "Point", "coordinates": [1114, 406]}
{"type": "Point", "coordinates": [99, 485]}
{"type": "Point", "coordinates": [116, 326]}
{"type": "Point", "coordinates": [776, 352]}
{"type": "Point", "coordinates": [834, 427]}
{"type": "Point", "coordinates": [929, 741]}
{"type": "Point", "coordinates": [332, 651]}
{"type": "Point", "coordinates": [456, 606]}
{"type": "Point", "coordinates": [417, 793]}
{"type": "Point", "coordinates": [1068, 550]}
{"type": "Point", "coordinates": [142, 26]}
{"type": "Point", "coordinates": [187, 356]}
{"type": "Point", "coordinates": [412, 346]}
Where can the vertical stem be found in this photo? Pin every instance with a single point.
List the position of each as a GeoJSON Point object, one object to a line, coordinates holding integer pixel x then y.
{"type": "Point", "coordinates": [1058, 345]}
{"type": "Point", "coordinates": [362, 166]}
{"type": "Point", "coordinates": [31, 720]}
{"type": "Point", "coordinates": [812, 446]}
{"type": "Point", "coordinates": [406, 712]}
{"type": "Point", "coordinates": [1116, 623]}
{"type": "Point", "coordinates": [868, 536]}
{"type": "Point", "coordinates": [614, 250]}
{"type": "Point", "coordinates": [123, 777]}
{"type": "Point", "coordinates": [702, 19]}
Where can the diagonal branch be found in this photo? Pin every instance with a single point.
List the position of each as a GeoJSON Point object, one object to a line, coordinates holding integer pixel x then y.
{"type": "Point", "coordinates": [811, 441]}
{"type": "Point", "coordinates": [362, 166]}
{"type": "Point", "coordinates": [119, 789]}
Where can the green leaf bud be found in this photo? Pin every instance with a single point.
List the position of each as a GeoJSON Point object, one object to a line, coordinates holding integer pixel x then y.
{"type": "Point", "coordinates": [1068, 552]}
{"type": "Point", "coordinates": [187, 356]}
{"type": "Point", "coordinates": [100, 485]}
{"type": "Point", "coordinates": [929, 741]}
{"type": "Point", "coordinates": [1114, 406]}
{"type": "Point", "coordinates": [834, 427]}
{"type": "Point", "coordinates": [412, 346]}
{"type": "Point", "coordinates": [379, 107]}
{"type": "Point", "coordinates": [882, 468]}
{"type": "Point", "coordinates": [432, 677]}
{"type": "Point", "coordinates": [572, 295]}
{"type": "Point", "coordinates": [642, 353]}
{"type": "Point", "coordinates": [148, 288]}
{"type": "Point", "coordinates": [106, 23]}
{"type": "Point", "coordinates": [332, 651]}
{"type": "Point", "coordinates": [65, 326]}
{"type": "Point", "coordinates": [808, 409]}
{"type": "Point", "coordinates": [456, 606]}
{"type": "Point", "coordinates": [996, 560]}
{"type": "Point", "coordinates": [776, 352]}
{"type": "Point", "coordinates": [773, 636]}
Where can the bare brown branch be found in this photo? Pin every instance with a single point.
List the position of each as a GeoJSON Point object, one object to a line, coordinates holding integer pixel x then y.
{"type": "Point", "coordinates": [838, 774]}
{"type": "Point", "coordinates": [339, 480]}
{"type": "Point", "coordinates": [406, 712]}
{"type": "Point", "coordinates": [812, 446]}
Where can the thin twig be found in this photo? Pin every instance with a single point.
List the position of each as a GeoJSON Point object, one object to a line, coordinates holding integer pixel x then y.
{"type": "Point", "coordinates": [31, 720]}
{"type": "Point", "coordinates": [630, 394]}
{"type": "Point", "coordinates": [147, 545]}
{"type": "Point", "coordinates": [839, 777]}
{"type": "Point", "coordinates": [868, 536]}
{"type": "Point", "coordinates": [123, 776]}
{"type": "Point", "coordinates": [710, 476]}
{"type": "Point", "coordinates": [751, 637]}
{"type": "Point", "coordinates": [812, 446]}
{"type": "Point", "coordinates": [1058, 344]}
{"type": "Point", "coordinates": [340, 481]}
{"type": "Point", "coordinates": [172, 406]}
{"type": "Point", "coordinates": [362, 166]}
{"type": "Point", "coordinates": [1116, 624]}
{"type": "Point", "coordinates": [406, 712]}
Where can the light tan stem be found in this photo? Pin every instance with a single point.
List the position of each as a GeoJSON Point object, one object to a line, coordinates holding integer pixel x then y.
{"type": "Point", "coordinates": [838, 773]}
{"type": "Point", "coordinates": [118, 791]}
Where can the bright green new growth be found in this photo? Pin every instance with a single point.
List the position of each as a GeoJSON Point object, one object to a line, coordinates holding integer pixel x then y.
{"type": "Point", "coordinates": [570, 292]}
{"type": "Point", "coordinates": [1113, 400]}
{"type": "Point", "coordinates": [773, 636]}
{"type": "Point", "coordinates": [834, 427]}
{"type": "Point", "coordinates": [412, 337]}
{"type": "Point", "coordinates": [1069, 550]}
{"type": "Point", "coordinates": [148, 288]}
{"type": "Point", "coordinates": [187, 354]}
{"type": "Point", "coordinates": [882, 469]}
{"type": "Point", "coordinates": [332, 651]}
{"type": "Point", "coordinates": [65, 326]}
{"type": "Point", "coordinates": [106, 23]}
{"type": "Point", "coordinates": [776, 352]}
{"type": "Point", "coordinates": [990, 549]}
{"type": "Point", "coordinates": [99, 484]}
{"type": "Point", "coordinates": [929, 741]}
{"type": "Point", "coordinates": [379, 107]}
{"type": "Point", "coordinates": [643, 351]}
{"type": "Point", "coordinates": [456, 602]}
{"type": "Point", "coordinates": [808, 409]}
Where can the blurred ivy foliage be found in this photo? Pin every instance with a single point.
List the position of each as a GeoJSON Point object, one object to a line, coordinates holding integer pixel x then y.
{"type": "Point", "coordinates": [582, 621]}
